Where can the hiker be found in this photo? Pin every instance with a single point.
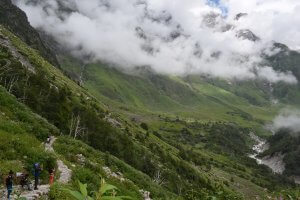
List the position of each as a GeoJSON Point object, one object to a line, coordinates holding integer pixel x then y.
{"type": "Point", "coordinates": [37, 171]}
{"type": "Point", "coordinates": [25, 181]}
{"type": "Point", "coordinates": [51, 176]}
{"type": "Point", "coordinates": [9, 183]}
{"type": "Point", "coordinates": [48, 140]}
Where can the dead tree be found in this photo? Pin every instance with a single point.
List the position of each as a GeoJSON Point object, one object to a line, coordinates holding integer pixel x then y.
{"type": "Point", "coordinates": [76, 129]}
{"type": "Point", "coordinates": [158, 179]}
{"type": "Point", "coordinates": [10, 83]}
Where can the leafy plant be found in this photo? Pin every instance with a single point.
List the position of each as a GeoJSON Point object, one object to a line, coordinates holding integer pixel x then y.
{"type": "Point", "coordinates": [82, 194]}
{"type": "Point", "coordinates": [105, 192]}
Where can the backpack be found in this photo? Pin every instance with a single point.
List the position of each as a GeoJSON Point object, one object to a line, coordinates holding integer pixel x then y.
{"type": "Point", "coordinates": [37, 167]}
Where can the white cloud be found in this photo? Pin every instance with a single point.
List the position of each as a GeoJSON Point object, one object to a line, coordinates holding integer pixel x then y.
{"type": "Point", "coordinates": [277, 20]}
{"type": "Point", "coordinates": [289, 119]}
{"type": "Point", "coordinates": [169, 35]}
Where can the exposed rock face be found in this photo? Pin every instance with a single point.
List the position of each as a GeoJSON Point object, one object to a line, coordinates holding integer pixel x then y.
{"type": "Point", "coordinates": [297, 179]}
{"type": "Point", "coordinates": [117, 175]}
{"type": "Point", "coordinates": [246, 34]}
{"type": "Point", "coordinates": [15, 53]}
{"type": "Point", "coordinates": [16, 21]}
{"type": "Point", "coordinates": [211, 19]}
{"type": "Point", "coordinates": [240, 15]}
{"type": "Point", "coordinates": [65, 172]}
{"type": "Point", "coordinates": [146, 194]}
{"type": "Point", "coordinates": [274, 162]}
{"type": "Point", "coordinates": [112, 121]}
{"type": "Point", "coordinates": [217, 22]}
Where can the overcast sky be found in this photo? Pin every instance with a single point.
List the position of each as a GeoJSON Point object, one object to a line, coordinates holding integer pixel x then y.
{"type": "Point", "coordinates": [172, 36]}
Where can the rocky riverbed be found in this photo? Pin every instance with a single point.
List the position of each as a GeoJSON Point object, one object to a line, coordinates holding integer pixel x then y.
{"type": "Point", "coordinates": [275, 162]}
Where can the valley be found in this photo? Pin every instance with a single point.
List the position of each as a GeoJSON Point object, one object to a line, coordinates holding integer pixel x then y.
{"type": "Point", "coordinates": [141, 133]}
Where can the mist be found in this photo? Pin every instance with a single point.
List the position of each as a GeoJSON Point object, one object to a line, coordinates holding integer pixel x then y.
{"type": "Point", "coordinates": [287, 119]}
{"type": "Point", "coordinates": [171, 36]}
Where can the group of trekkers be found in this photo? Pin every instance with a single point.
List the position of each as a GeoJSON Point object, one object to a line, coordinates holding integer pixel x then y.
{"type": "Point", "coordinates": [24, 179]}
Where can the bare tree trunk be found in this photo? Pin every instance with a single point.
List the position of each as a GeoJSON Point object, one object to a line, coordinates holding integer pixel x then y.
{"type": "Point", "coordinates": [72, 125]}
{"type": "Point", "coordinates": [158, 178]}
{"type": "Point", "coordinates": [77, 127]}
{"type": "Point", "coordinates": [12, 83]}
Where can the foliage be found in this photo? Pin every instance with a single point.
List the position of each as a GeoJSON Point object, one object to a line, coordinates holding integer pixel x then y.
{"type": "Point", "coordinates": [105, 192]}
{"type": "Point", "coordinates": [19, 130]}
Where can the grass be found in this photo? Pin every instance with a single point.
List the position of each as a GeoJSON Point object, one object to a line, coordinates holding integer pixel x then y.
{"type": "Point", "coordinates": [21, 133]}
{"type": "Point", "coordinates": [190, 98]}
{"type": "Point", "coordinates": [91, 170]}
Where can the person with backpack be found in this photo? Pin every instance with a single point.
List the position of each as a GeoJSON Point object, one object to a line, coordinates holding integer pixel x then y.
{"type": "Point", "coordinates": [37, 171]}
{"type": "Point", "coordinates": [25, 181]}
{"type": "Point", "coordinates": [9, 183]}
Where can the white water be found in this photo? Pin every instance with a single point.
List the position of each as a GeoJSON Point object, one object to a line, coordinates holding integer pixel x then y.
{"type": "Point", "coordinates": [274, 162]}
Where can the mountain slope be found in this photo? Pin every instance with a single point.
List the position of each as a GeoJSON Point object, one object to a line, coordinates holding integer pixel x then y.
{"type": "Point", "coordinates": [190, 97]}
{"type": "Point", "coordinates": [177, 137]}
{"type": "Point", "coordinates": [49, 93]}
{"type": "Point", "coordinates": [21, 133]}
{"type": "Point", "coordinates": [16, 21]}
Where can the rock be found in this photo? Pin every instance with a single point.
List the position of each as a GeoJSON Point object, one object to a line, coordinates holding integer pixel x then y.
{"type": "Point", "coordinates": [112, 121]}
{"type": "Point", "coordinates": [117, 175]}
{"type": "Point", "coordinates": [81, 159]}
{"type": "Point", "coordinates": [65, 172]}
{"type": "Point", "coordinates": [16, 21]}
{"type": "Point", "coordinates": [145, 194]}
{"type": "Point", "coordinates": [240, 15]}
{"type": "Point", "coordinates": [275, 162]}
{"type": "Point", "coordinates": [246, 34]}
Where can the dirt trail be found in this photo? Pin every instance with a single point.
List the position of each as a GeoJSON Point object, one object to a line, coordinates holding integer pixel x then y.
{"type": "Point", "coordinates": [65, 172]}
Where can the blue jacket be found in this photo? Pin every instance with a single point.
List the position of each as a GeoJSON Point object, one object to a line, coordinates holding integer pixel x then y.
{"type": "Point", "coordinates": [37, 169]}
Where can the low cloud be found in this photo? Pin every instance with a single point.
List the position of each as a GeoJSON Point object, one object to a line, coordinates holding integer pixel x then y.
{"type": "Point", "coordinates": [287, 119]}
{"type": "Point", "coordinates": [277, 20]}
{"type": "Point", "coordinates": [172, 36]}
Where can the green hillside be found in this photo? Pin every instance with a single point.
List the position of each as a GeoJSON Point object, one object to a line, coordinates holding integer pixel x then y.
{"type": "Point", "coordinates": [191, 97]}
{"type": "Point", "coordinates": [21, 133]}
{"type": "Point", "coordinates": [176, 137]}
{"type": "Point", "coordinates": [49, 93]}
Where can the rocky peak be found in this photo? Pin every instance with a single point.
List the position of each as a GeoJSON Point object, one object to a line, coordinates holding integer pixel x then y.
{"type": "Point", "coordinates": [15, 20]}
{"type": "Point", "coordinates": [246, 34]}
{"type": "Point", "coordinates": [240, 15]}
{"type": "Point", "coordinates": [211, 19]}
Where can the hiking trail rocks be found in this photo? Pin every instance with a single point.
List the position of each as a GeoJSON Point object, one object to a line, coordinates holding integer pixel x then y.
{"type": "Point", "coordinates": [65, 172]}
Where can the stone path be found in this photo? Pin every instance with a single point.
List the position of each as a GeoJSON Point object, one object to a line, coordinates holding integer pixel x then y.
{"type": "Point", "coordinates": [43, 190]}
{"type": "Point", "coordinates": [65, 172]}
